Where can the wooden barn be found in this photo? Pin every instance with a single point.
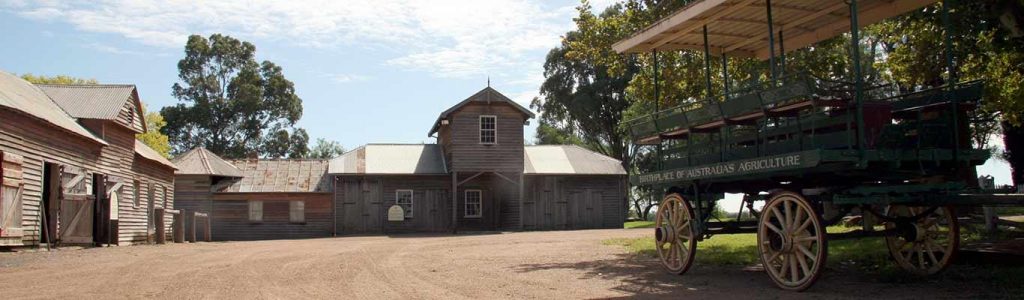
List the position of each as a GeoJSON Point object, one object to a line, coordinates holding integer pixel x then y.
{"type": "Point", "coordinates": [256, 199]}
{"type": "Point", "coordinates": [73, 172]}
{"type": "Point", "coordinates": [480, 176]}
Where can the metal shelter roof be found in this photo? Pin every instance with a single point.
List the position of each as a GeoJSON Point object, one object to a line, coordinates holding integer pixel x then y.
{"type": "Point", "coordinates": [93, 101]}
{"type": "Point", "coordinates": [569, 160]}
{"type": "Point", "coordinates": [391, 159]}
{"type": "Point", "coordinates": [22, 96]}
{"type": "Point", "coordinates": [148, 153]}
{"type": "Point", "coordinates": [280, 176]}
{"type": "Point", "coordinates": [200, 161]}
{"type": "Point", "coordinates": [487, 94]}
{"type": "Point", "coordinates": [740, 27]}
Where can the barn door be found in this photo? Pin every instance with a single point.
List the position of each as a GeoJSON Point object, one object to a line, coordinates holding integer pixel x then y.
{"type": "Point", "coordinates": [361, 207]}
{"type": "Point", "coordinates": [76, 206]}
{"type": "Point", "coordinates": [12, 188]}
{"type": "Point", "coordinates": [111, 195]}
{"type": "Point", "coordinates": [585, 208]}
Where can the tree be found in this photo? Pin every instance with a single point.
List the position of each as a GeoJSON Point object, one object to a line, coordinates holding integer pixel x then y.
{"type": "Point", "coordinates": [153, 137]}
{"type": "Point", "coordinates": [59, 79]}
{"type": "Point", "coordinates": [325, 149]}
{"type": "Point", "coordinates": [232, 105]}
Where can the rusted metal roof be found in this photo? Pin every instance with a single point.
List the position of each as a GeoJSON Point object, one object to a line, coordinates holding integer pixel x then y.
{"type": "Point", "coordinates": [22, 96]}
{"type": "Point", "coordinates": [569, 160]}
{"type": "Point", "coordinates": [280, 176]}
{"type": "Point", "coordinates": [391, 159]}
{"type": "Point", "coordinates": [91, 101]}
{"type": "Point", "coordinates": [200, 161]}
{"type": "Point", "coordinates": [148, 153]}
{"type": "Point", "coordinates": [487, 94]}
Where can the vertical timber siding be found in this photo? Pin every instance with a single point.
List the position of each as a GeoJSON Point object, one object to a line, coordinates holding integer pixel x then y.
{"type": "Point", "coordinates": [574, 202]}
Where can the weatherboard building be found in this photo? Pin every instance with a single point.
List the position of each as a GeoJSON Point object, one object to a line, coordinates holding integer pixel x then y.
{"type": "Point", "coordinates": [479, 176]}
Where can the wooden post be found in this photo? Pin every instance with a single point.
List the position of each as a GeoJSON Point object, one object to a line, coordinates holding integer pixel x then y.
{"type": "Point", "coordinates": [177, 226]}
{"type": "Point", "coordinates": [209, 235]}
{"type": "Point", "coordinates": [192, 233]}
{"type": "Point", "coordinates": [158, 218]}
{"type": "Point", "coordinates": [455, 202]}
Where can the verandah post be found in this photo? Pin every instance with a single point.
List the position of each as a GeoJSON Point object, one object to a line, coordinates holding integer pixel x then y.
{"type": "Point", "coordinates": [858, 79]}
{"type": "Point", "coordinates": [771, 42]}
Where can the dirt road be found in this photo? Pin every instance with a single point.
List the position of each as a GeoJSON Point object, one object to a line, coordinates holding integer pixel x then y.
{"type": "Point", "coordinates": [550, 265]}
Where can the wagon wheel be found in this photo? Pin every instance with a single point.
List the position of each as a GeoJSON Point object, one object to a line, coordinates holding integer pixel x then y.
{"type": "Point", "coordinates": [927, 243]}
{"type": "Point", "coordinates": [674, 235]}
{"type": "Point", "coordinates": [791, 241]}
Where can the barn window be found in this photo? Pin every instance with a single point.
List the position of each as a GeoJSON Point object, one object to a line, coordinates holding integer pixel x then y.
{"type": "Point", "coordinates": [488, 129]}
{"type": "Point", "coordinates": [165, 197]}
{"type": "Point", "coordinates": [404, 199]}
{"type": "Point", "coordinates": [297, 211]}
{"type": "Point", "coordinates": [136, 193]}
{"type": "Point", "coordinates": [474, 203]}
{"type": "Point", "coordinates": [255, 211]}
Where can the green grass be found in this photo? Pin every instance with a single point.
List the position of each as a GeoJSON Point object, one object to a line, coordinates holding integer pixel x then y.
{"type": "Point", "coordinates": [638, 224]}
{"type": "Point", "coordinates": [868, 257]}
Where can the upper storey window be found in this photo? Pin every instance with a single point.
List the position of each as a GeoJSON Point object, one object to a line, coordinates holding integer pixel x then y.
{"type": "Point", "coordinates": [488, 129]}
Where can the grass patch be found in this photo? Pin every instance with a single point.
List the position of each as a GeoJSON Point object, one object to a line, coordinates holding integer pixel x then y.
{"type": "Point", "coordinates": [868, 257]}
{"type": "Point", "coordinates": [638, 224]}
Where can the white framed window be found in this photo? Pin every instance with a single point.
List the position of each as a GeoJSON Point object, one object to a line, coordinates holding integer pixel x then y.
{"type": "Point", "coordinates": [297, 211]}
{"type": "Point", "coordinates": [404, 199]}
{"type": "Point", "coordinates": [474, 203]}
{"type": "Point", "coordinates": [488, 129]}
{"type": "Point", "coordinates": [255, 211]}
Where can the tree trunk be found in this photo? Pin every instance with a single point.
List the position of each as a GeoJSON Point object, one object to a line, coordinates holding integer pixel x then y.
{"type": "Point", "coordinates": [1013, 138]}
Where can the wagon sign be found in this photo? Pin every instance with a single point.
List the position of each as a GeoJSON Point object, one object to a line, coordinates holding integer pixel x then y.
{"type": "Point", "coordinates": [771, 163]}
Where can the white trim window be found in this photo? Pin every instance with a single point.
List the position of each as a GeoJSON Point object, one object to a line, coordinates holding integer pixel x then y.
{"type": "Point", "coordinates": [488, 129]}
{"type": "Point", "coordinates": [404, 199]}
{"type": "Point", "coordinates": [255, 211]}
{"type": "Point", "coordinates": [297, 211]}
{"type": "Point", "coordinates": [474, 203]}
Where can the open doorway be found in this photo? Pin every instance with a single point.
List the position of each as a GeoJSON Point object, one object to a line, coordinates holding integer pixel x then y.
{"type": "Point", "coordinates": [51, 175]}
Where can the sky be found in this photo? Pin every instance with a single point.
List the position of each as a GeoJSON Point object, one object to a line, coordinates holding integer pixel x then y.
{"type": "Point", "coordinates": [376, 71]}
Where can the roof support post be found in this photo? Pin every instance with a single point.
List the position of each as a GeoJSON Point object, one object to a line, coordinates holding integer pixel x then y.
{"type": "Point", "coordinates": [725, 75]}
{"type": "Point", "coordinates": [707, 65]}
{"type": "Point", "coordinates": [771, 41]}
{"type": "Point", "coordinates": [858, 78]}
{"type": "Point", "coordinates": [657, 102]}
{"type": "Point", "coordinates": [782, 54]}
{"type": "Point", "coordinates": [951, 77]}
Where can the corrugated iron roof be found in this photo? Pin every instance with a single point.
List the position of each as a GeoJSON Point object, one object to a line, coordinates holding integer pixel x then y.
{"type": "Point", "coordinates": [22, 96]}
{"type": "Point", "coordinates": [280, 176]}
{"type": "Point", "coordinates": [200, 161]}
{"type": "Point", "coordinates": [487, 94]}
{"type": "Point", "coordinates": [90, 101]}
{"type": "Point", "coordinates": [150, 154]}
{"type": "Point", "coordinates": [569, 160]}
{"type": "Point", "coordinates": [389, 159]}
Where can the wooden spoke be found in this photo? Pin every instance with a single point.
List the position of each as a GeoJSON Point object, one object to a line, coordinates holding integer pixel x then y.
{"type": "Point", "coordinates": [791, 241]}
{"type": "Point", "coordinates": [673, 219]}
{"type": "Point", "coordinates": [930, 247]}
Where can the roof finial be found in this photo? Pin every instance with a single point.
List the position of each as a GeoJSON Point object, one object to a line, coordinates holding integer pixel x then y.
{"type": "Point", "coordinates": [488, 80]}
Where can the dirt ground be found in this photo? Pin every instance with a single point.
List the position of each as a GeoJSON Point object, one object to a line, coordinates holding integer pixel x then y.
{"type": "Point", "coordinates": [550, 265]}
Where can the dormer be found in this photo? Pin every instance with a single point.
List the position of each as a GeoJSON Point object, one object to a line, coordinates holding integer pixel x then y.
{"type": "Point", "coordinates": [96, 105]}
{"type": "Point", "coordinates": [483, 133]}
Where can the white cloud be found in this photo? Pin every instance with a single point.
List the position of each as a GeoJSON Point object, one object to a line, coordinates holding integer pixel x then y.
{"type": "Point", "coordinates": [345, 78]}
{"type": "Point", "coordinates": [110, 49]}
{"type": "Point", "coordinates": [449, 38]}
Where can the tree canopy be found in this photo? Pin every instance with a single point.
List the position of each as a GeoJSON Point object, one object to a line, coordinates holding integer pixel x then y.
{"type": "Point", "coordinates": [153, 137]}
{"type": "Point", "coordinates": [59, 79]}
{"type": "Point", "coordinates": [325, 149]}
{"type": "Point", "coordinates": [233, 105]}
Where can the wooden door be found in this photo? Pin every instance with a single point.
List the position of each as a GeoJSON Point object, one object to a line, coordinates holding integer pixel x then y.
{"type": "Point", "coordinates": [438, 213]}
{"type": "Point", "coordinates": [75, 225]}
{"type": "Point", "coordinates": [12, 190]}
{"type": "Point", "coordinates": [585, 209]}
{"type": "Point", "coordinates": [361, 207]}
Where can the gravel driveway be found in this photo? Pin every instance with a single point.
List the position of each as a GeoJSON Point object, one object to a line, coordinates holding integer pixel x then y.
{"type": "Point", "coordinates": [551, 265]}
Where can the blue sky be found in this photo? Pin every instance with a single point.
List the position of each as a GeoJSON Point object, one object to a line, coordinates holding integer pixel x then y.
{"type": "Point", "coordinates": [367, 71]}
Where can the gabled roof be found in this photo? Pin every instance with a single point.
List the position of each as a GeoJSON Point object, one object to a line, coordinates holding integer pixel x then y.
{"type": "Point", "coordinates": [94, 101]}
{"type": "Point", "coordinates": [200, 161]}
{"type": "Point", "coordinates": [148, 153]}
{"type": "Point", "coordinates": [391, 159]}
{"type": "Point", "coordinates": [280, 176]}
{"type": "Point", "coordinates": [569, 160]}
{"type": "Point", "coordinates": [22, 96]}
{"type": "Point", "coordinates": [487, 95]}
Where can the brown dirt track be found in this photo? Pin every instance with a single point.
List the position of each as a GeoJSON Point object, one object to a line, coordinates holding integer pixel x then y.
{"type": "Point", "coordinates": [549, 265]}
